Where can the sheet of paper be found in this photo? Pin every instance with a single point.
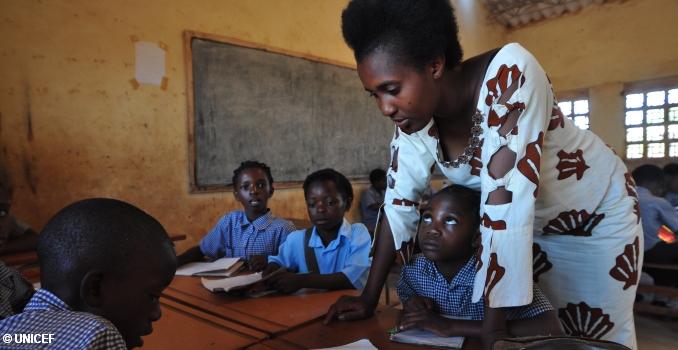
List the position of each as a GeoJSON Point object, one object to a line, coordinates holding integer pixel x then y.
{"type": "Point", "coordinates": [421, 337]}
{"type": "Point", "coordinates": [149, 63]}
{"type": "Point", "coordinates": [227, 284]}
{"type": "Point", "coordinates": [362, 344]}
{"type": "Point", "coordinates": [214, 268]}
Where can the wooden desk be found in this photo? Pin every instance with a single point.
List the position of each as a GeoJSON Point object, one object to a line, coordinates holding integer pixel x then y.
{"type": "Point", "coordinates": [271, 314]}
{"type": "Point", "coordinates": [317, 335]}
{"type": "Point", "coordinates": [181, 327]}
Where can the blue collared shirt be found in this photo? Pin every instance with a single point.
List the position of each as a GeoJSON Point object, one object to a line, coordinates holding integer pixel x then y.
{"type": "Point", "coordinates": [672, 197]}
{"type": "Point", "coordinates": [349, 253]}
{"type": "Point", "coordinates": [45, 313]}
{"type": "Point", "coordinates": [236, 237]}
{"type": "Point", "coordinates": [655, 212]}
{"type": "Point", "coordinates": [421, 277]}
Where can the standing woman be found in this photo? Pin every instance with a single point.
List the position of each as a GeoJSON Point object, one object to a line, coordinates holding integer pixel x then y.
{"type": "Point", "coordinates": [558, 206]}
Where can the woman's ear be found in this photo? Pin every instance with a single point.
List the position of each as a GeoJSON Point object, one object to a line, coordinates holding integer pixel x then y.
{"type": "Point", "coordinates": [437, 67]}
{"type": "Point", "coordinates": [91, 287]}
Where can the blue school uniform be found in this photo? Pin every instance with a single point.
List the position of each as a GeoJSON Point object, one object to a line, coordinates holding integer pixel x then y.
{"type": "Point", "coordinates": [421, 277]}
{"type": "Point", "coordinates": [349, 253]}
{"type": "Point", "coordinates": [45, 313]}
{"type": "Point", "coordinates": [655, 212]}
{"type": "Point", "coordinates": [235, 236]}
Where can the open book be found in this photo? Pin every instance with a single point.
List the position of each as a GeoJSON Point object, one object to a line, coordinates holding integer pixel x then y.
{"type": "Point", "coordinates": [237, 282]}
{"type": "Point", "coordinates": [421, 337]}
{"type": "Point", "coordinates": [223, 267]}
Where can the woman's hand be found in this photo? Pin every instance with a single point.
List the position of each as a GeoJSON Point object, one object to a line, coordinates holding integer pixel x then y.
{"type": "Point", "coordinates": [349, 308]}
{"type": "Point", "coordinates": [425, 319]}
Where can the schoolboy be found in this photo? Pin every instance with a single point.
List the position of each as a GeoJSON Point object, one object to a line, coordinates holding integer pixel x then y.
{"type": "Point", "coordinates": [440, 280]}
{"type": "Point", "coordinates": [15, 291]}
{"type": "Point", "coordinates": [656, 211]}
{"type": "Point", "coordinates": [252, 233]}
{"type": "Point", "coordinates": [373, 198]}
{"type": "Point", "coordinates": [103, 266]}
{"type": "Point", "coordinates": [333, 254]}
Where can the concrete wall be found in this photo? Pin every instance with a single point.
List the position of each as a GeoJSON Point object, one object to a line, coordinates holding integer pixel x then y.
{"type": "Point", "coordinates": [602, 47]}
{"type": "Point", "coordinates": [72, 126]}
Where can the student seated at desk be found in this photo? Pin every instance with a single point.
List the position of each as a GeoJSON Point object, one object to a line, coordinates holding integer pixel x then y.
{"type": "Point", "coordinates": [15, 236]}
{"type": "Point", "coordinates": [253, 233]}
{"type": "Point", "coordinates": [333, 254]}
{"type": "Point", "coordinates": [103, 265]}
{"type": "Point", "coordinates": [440, 281]}
{"type": "Point", "coordinates": [656, 212]}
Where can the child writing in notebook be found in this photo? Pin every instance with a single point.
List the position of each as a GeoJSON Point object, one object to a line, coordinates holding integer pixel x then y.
{"type": "Point", "coordinates": [252, 233]}
{"type": "Point", "coordinates": [103, 265]}
{"type": "Point", "coordinates": [439, 281]}
{"type": "Point", "coordinates": [333, 254]}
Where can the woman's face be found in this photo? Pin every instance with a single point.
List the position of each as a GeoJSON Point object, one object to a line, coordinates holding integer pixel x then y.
{"type": "Point", "coordinates": [403, 93]}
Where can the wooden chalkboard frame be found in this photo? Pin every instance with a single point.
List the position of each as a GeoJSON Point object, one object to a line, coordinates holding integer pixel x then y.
{"type": "Point", "coordinates": [189, 35]}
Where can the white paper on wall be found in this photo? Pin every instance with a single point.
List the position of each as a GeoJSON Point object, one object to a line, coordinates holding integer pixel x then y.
{"type": "Point", "coordinates": [149, 63]}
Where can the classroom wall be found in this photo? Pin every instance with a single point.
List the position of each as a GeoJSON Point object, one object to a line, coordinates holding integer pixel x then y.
{"type": "Point", "coordinates": [73, 126]}
{"type": "Point", "coordinates": [600, 48]}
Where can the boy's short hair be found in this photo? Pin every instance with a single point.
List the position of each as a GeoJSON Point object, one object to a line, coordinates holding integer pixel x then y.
{"type": "Point", "coordinates": [470, 199]}
{"type": "Point", "coordinates": [671, 169]}
{"type": "Point", "coordinates": [376, 175]}
{"type": "Point", "coordinates": [343, 185]}
{"type": "Point", "coordinates": [99, 233]}
{"type": "Point", "coordinates": [252, 164]}
{"type": "Point", "coordinates": [648, 173]}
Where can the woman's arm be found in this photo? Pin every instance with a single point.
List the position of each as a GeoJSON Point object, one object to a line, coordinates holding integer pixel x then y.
{"type": "Point", "coordinates": [349, 308]}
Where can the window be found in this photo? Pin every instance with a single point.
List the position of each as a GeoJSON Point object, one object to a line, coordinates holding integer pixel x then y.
{"type": "Point", "coordinates": [651, 119]}
{"type": "Point", "coordinates": [577, 110]}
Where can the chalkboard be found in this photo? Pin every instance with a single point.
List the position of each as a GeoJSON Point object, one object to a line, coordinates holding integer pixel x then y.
{"type": "Point", "coordinates": [295, 114]}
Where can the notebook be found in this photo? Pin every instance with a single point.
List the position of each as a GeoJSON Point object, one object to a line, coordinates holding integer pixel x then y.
{"type": "Point", "coordinates": [362, 344]}
{"type": "Point", "coordinates": [421, 337]}
{"type": "Point", "coordinates": [237, 282]}
{"type": "Point", "coordinates": [223, 267]}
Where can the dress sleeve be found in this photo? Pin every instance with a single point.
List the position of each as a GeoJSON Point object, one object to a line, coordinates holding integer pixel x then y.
{"type": "Point", "coordinates": [358, 262]}
{"type": "Point", "coordinates": [403, 287]}
{"type": "Point", "coordinates": [517, 82]}
{"type": "Point", "coordinates": [216, 244]}
{"type": "Point", "coordinates": [408, 176]}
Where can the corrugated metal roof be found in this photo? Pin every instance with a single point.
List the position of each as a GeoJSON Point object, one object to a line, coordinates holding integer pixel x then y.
{"type": "Point", "coordinates": [516, 13]}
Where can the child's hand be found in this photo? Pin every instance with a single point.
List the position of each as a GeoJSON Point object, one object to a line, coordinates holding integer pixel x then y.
{"type": "Point", "coordinates": [418, 303]}
{"type": "Point", "coordinates": [272, 267]}
{"type": "Point", "coordinates": [286, 282]}
{"type": "Point", "coordinates": [257, 262]}
{"type": "Point", "coordinates": [425, 319]}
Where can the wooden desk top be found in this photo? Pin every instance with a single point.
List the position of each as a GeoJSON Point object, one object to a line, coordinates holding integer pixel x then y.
{"type": "Point", "coordinates": [317, 335]}
{"type": "Point", "coordinates": [271, 314]}
{"type": "Point", "coordinates": [181, 327]}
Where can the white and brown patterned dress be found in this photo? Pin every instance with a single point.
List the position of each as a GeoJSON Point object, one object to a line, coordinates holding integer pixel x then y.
{"type": "Point", "coordinates": [572, 224]}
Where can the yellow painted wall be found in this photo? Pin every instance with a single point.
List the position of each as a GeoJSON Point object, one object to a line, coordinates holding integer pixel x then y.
{"type": "Point", "coordinates": [602, 47]}
{"type": "Point", "coordinates": [72, 126]}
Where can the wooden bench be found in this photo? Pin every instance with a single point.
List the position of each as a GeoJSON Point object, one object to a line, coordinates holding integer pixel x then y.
{"type": "Point", "coordinates": [669, 292]}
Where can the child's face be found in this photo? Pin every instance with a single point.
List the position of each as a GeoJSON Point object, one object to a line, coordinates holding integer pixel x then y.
{"type": "Point", "coordinates": [326, 206]}
{"type": "Point", "coordinates": [131, 301]}
{"type": "Point", "coordinates": [447, 230]}
{"type": "Point", "coordinates": [253, 191]}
